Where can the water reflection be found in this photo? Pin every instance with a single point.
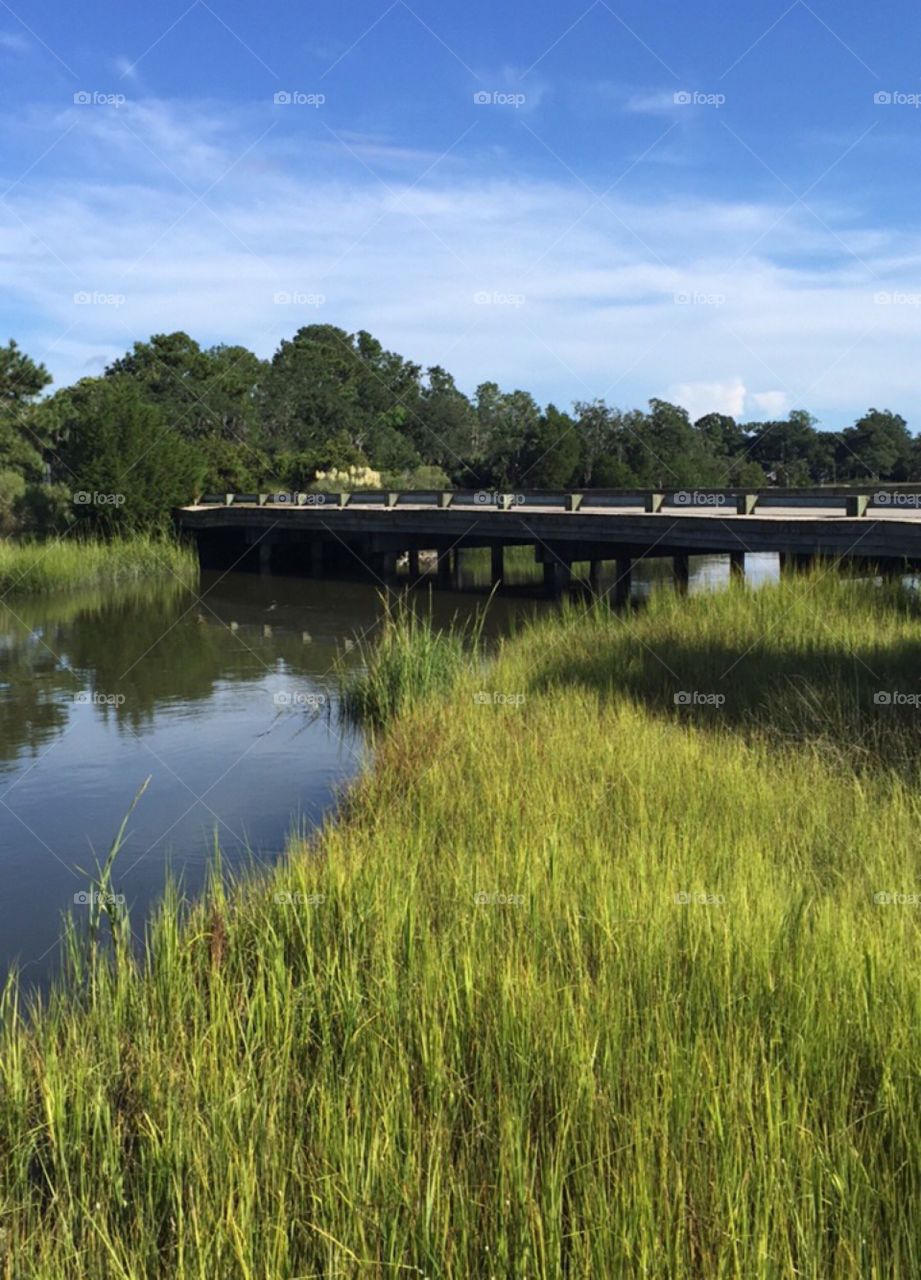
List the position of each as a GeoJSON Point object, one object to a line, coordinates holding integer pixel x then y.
{"type": "Point", "coordinates": [219, 698]}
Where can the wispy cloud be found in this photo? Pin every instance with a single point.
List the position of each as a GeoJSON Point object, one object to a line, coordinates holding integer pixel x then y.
{"type": "Point", "coordinates": [13, 43]}
{"type": "Point", "coordinates": [719, 303]}
{"type": "Point", "coordinates": [125, 68]}
{"type": "Point", "coordinates": [661, 103]}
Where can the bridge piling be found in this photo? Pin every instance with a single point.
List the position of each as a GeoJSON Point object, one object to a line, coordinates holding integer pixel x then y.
{"type": "Point", "coordinates": [557, 575]}
{"type": "Point", "coordinates": [737, 565]}
{"type": "Point", "coordinates": [266, 547]}
{"type": "Point", "coordinates": [497, 559]}
{"type": "Point", "coordinates": [681, 570]}
{"type": "Point", "coordinates": [623, 580]}
{"type": "Point", "coordinates": [795, 562]}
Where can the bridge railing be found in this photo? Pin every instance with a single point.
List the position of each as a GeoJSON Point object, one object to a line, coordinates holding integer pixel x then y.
{"type": "Point", "coordinates": [725, 501]}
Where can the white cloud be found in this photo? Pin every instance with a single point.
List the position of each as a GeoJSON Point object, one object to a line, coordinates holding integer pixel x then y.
{"type": "Point", "coordinates": [730, 397]}
{"type": "Point", "coordinates": [769, 404]}
{"type": "Point", "coordinates": [709, 397]}
{"type": "Point", "coordinates": [13, 43]}
{"type": "Point", "coordinates": [165, 207]}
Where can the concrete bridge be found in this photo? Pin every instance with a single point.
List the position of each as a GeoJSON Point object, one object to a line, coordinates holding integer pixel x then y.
{"type": "Point", "coordinates": [345, 533]}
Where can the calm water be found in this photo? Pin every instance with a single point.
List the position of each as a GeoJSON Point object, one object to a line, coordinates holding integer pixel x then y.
{"type": "Point", "coordinates": [222, 704]}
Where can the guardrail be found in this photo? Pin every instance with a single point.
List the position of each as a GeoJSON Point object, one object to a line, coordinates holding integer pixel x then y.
{"type": "Point", "coordinates": [721, 500]}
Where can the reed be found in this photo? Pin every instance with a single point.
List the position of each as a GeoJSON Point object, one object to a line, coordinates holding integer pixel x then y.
{"type": "Point", "coordinates": [38, 568]}
{"type": "Point", "coordinates": [407, 659]}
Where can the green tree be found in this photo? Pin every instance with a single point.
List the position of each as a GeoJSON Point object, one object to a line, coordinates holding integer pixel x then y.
{"type": "Point", "coordinates": [444, 425]}
{"type": "Point", "coordinates": [202, 393]}
{"type": "Point", "coordinates": [596, 425]}
{"type": "Point", "coordinates": [790, 451]}
{"type": "Point", "coordinates": [878, 447]}
{"type": "Point", "coordinates": [507, 421]}
{"type": "Point", "coordinates": [325, 382]}
{"type": "Point", "coordinates": [233, 467]}
{"type": "Point", "coordinates": [549, 458]}
{"type": "Point", "coordinates": [128, 466]}
{"type": "Point", "coordinates": [23, 438]}
{"type": "Point", "coordinates": [723, 435]}
{"type": "Point", "coordinates": [664, 451]}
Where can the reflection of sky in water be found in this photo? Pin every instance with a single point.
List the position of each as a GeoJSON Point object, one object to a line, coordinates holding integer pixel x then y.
{"type": "Point", "coordinates": [222, 706]}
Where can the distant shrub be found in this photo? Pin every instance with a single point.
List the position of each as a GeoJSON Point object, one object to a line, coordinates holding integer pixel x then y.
{"type": "Point", "coordinates": [425, 477]}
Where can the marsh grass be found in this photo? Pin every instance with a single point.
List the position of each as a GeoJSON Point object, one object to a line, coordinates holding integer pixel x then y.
{"type": "Point", "coordinates": [588, 984]}
{"type": "Point", "coordinates": [826, 662]}
{"type": "Point", "coordinates": [409, 658]}
{"type": "Point", "coordinates": [38, 568]}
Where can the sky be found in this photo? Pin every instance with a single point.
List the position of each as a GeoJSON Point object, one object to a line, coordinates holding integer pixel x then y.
{"type": "Point", "coordinates": [716, 204]}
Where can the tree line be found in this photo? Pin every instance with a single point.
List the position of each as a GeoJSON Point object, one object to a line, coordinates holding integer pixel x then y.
{"type": "Point", "coordinates": [171, 419]}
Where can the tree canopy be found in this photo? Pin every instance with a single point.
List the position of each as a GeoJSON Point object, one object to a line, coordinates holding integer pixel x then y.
{"type": "Point", "coordinates": [170, 416]}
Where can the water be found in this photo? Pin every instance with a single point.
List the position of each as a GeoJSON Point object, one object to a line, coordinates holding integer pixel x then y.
{"type": "Point", "coordinates": [708, 573]}
{"type": "Point", "coordinates": [225, 704]}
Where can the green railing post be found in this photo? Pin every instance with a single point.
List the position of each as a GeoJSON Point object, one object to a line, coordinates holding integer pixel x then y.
{"type": "Point", "coordinates": [855, 504]}
{"type": "Point", "coordinates": [574, 501]}
{"type": "Point", "coordinates": [746, 503]}
{"type": "Point", "coordinates": [654, 502]}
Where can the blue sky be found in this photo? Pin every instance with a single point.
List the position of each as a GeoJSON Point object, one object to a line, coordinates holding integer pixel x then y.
{"type": "Point", "coordinates": [712, 203]}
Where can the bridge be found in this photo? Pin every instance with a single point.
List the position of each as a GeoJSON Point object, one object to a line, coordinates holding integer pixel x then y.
{"type": "Point", "coordinates": [367, 531]}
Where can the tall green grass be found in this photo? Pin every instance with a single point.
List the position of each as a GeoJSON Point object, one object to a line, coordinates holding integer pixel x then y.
{"type": "Point", "coordinates": [409, 658]}
{"type": "Point", "coordinates": [38, 568]}
{"type": "Point", "coordinates": [588, 982]}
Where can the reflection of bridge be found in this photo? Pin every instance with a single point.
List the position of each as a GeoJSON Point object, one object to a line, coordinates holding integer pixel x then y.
{"type": "Point", "coordinates": [336, 533]}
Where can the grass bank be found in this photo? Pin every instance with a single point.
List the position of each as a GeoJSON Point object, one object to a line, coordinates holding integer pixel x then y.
{"type": "Point", "coordinates": [38, 568]}
{"type": "Point", "coordinates": [592, 978]}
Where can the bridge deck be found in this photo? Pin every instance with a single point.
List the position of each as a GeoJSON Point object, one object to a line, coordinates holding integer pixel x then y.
{"type": "Point", "coordinates": [776, 511]}
{"type": "Point", "coordinates": [602, 527]}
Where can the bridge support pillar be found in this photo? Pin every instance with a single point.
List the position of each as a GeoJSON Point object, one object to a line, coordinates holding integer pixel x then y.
{"type": "Point", "coordinates": [414, 566]}
{"type": "Point", "coordinates": [681, 569]}
{"type": "Point", "coordinates": [623, 580]}
{"type": "Point", "coordinates": [557, 575]}
{"type": "Point", "coordinates": [594, 574]}
{"type": "Point", "coordinates": [382, 565]}
{"type": "Point", "coordinates": [795, 562]}
{"type": "Point", "coordinates": [498, 563]}
{"type": "Point", "coordinates": [444, 570]}
{"type": "Point", "coordinates": [266, 547]}
{"type": "Point", "coordinates": [736, 565]}
{"type": "Point", "coordinates": [316, 558]}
